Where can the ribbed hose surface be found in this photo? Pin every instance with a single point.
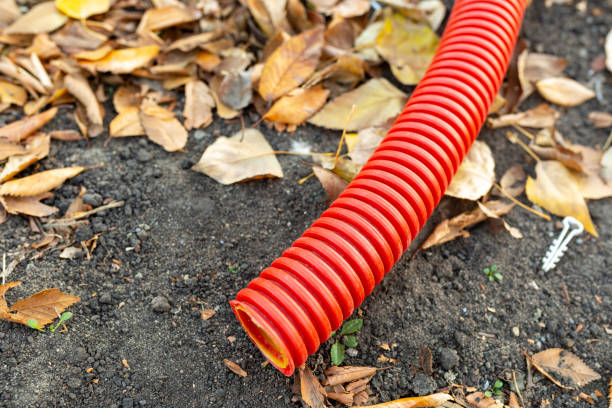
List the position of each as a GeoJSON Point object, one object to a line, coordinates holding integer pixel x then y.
{"type": "Point", "coordinates": [317, 283]}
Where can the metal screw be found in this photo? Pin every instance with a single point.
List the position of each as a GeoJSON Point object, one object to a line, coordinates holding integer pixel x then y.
{"type": "Point", "coordinates": [571, 228]}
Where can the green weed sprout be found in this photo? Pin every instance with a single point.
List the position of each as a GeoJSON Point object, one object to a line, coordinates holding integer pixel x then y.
{"type": "Point", "coordinates": [348, 338]}
{"type": "Point", "coordinates": [495, 390]}
{"type": "Point", "coordinates": [62, 318]}
{"type": "Point", "coordinates": [493, 274]}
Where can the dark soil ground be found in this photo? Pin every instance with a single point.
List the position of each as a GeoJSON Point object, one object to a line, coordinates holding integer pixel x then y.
{"type": "Point", "coordinates": [188, 229]}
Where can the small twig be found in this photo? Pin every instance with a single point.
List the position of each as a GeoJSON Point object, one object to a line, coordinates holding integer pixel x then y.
{"type": "Point", "coordinates": [517, 389]}
{"type": "Point", "coordinates": [523, 131]}
{"type": "Point", "coordinates": [517, 202]}
{"type": "Point", "coordinates": [514, 139]}
{"type": "Point", "coordinates": [112, 204]}
{"type": "Point", "coordinates": [348, 121]}
{"type": "Point", "coordinates": [608, 143]}
{"type": "Point", "coordinates": [566, 294]}
{"type": "Point", "coordinates": [72, 223]}
{"type": "Point", "coordinates": [544, 373]}
{"type": "Point", "coordinates": [529, 374]}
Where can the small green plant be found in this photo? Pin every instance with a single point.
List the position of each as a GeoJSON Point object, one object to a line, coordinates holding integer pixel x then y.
{"type": "Point", "coordinates": [62, 318]}
{"type": "Point", "coordinates": [233, 269]}
{"type": "Point", "coordinates": [493, 274]}
{"type": "Point", "coordinates": [495, 390]}
{"type": "Point", "coordinates": [347, 338]}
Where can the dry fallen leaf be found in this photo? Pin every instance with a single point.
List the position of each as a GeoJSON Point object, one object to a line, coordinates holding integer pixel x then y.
{"type": "Point", "coordinates": [480, 400]}
{"type": "Point", "coordinates": [162, 127]}
{"type": "Point", "coordinates": [198, 105]}
{"type": "Point", "coordinates": [155, 19]}
{"type": "Point", "coordinates": [8, 149]}
{"type": "Point", "coordinates": [343, 8]}
{"type": "Point", "coordinates": [23, 128]}
{"type": "Point", "coordinates": [26, 205]}
{"type": "Point", "coordinates": [78, 86]}
{"type": "Point", "coordinates": [238, 158]}
{"type": "Point", "coordinates": [408, 47]}
{"type": "Point", "coordinates": [125, 97]}
{"type": "Point", "coordinates": [376, 102]}
{"type": "Point", "coordinates": [297, 106]}
{"type": "Point", "coordinates": [512, 179]}
{"type": "Point", "coordinates": [455, 227]}
{"type": "Point", "coordinates": [235, 368]}
{"type": "Point", "coordinates": [555, 190]}
{"type": "Point", "coordinates": [331, 182]}
{"type": "Point", "coordinates": [291, 64]}
{"type": "Point", "coordinates": [206, 314]}
{"type": "Point", "coordinates": [37, 148]}
{"type": "Point", "coordinates": [9, 12]}
{"type": "Point", "coordinates": [368, 140]}
{"type": "Point", "coordinates": [12, 94]}
{"type": "Point", "coordinates": [601, 119]}
{"type": "Point", "coordinates": [341, 375]}
{"type": "Point", "coordinates": [564, 91]}
{"type": "Point", "coordinates": [608, 49]}
{"type": "Point", "coordinates": [312, 392]}
{"type": "Point", "coordinates": [433, 400]}
{"type": "Point", "coordinates": [42, 18]}
{"type": "Point", "coordinates": [39, 183]}
{"type": "Point", "coordinates": [44, 306]}
{"type": "Point", "coordinates": [606, 165]}
{"type": "Point", "coordinates": [476, 175]}
{"type": "Point", "coordinates": [82, 9]}
{"type": "Point", "coordinates": [126, 60]}
{"type": "Point", "coordinates": [126, 123]}
{"type": "Point", "coordinates": [269, 14]}
{"type": "Point", "coordinates": [567, 366]}
{"type": "Point", "coordinates": [542, 116]}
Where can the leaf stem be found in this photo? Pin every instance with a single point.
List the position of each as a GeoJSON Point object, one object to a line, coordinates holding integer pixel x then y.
{"type": "Point", "coordinates": [520, 204]}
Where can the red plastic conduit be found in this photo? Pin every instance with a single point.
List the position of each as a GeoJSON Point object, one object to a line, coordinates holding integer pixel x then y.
{"type": "Point", "coordinates": [293, 306]}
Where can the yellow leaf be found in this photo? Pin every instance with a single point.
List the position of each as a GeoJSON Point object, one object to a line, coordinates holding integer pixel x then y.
{"type": "Point", "coordinates": [376, 102]}
{"type": "Point", "coordinates": [476, 175]}
{"type": "Point", "coordinates": [37, 148]}
{"type": "Point", "coordinates": [125, 97]}
{"type": "Point", "coordinates": [127, 123]}
{"type": "Point", "coordinates": [8, 149]}
{"type": "Point", "coordinates": [126, 60]}
{"type": "Point", "coordinates": [291, 64]}
{"type": "Point", "coordinates": [564, 91]}
{"type": "Point", "coordinates": [11, 93]}
{"type": "Point", "coordinates": [198, 105]}
{"type": "Point", "coordinates": [298, 106]}
{"type": "Point", "coordinates": [39, 183]}
{"type": "Point", "coordinates": [555, 190]}
{"type": "Point", "coordinates": [238, 158]}
{"type": "Point", "coordinates": [82, 9]}
{"type": "Point", "coordinates": [433, 400]}
{"type": "Point", "coordinates": [162, 127]}
{"type": "Point", "coordinates": [42, 18]}
{"type": "Point", "coordinates": [27, 205]}
{"type": "Point", "coordinates": [407, 46]}
{"type": "Point", "coordinates": [93, 55]}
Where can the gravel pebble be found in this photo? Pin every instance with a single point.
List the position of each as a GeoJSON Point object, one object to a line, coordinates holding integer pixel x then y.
{"type": "Point", "coordinates": [93, 199]}
{"type": "Point", "coordinates": [448, 358]}
{"type": "Point", "coordinates": [160, 304]}
{"type": "Point", "coordinates": [422, 384]}
{"type": "Point", "coordinates": [106, 299]}
{"type": "Point", "coordinates": [83, 233]}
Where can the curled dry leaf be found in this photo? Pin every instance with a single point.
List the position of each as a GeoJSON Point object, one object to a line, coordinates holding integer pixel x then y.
{"type": "Point", "coordinates": [159, 18]}
{"type": "Point", "coordinates": [269, 14]}
{"type": "Point", "coordinates": [12, 94]}
{"type": "Point", "coordinates": [433, 400]}
{"type": "Point", "coordinates": [291, 64]}
{"type": "Point", "coordinates": [476, 175]}
{"type": "Point", "coordinates": [8, 149]}
{"type": "Point", "coordinates": [601, 119]}
{"type": "Point", "coordinates": [238, 158]}
{"type": "Point", "coordinates": [235, 368]}
{"type": "Point", "coordinates": [39, 183]}
{"type": "Point", "coordinates": [82, 9]}
{"type": "Point", "coordinates": [126, 96]}
{"type": "Point", "coordinates": [555, 190]}
{"type": "Point", "coordinates": [198, 105]}
{"type": "Point", "coordinates": [341, 375]}
{"type": "Point", "coordinates": [512, 180]}
{"type": "Point", "coordinates": [27, 206]}
{"type": "Point", "coordinates": [608, 49]}
{"type": "Point", "coordinates": [564, 91]}
{"type": "Point", "coordinates": [42, 18]}
{"type": "Point", "coordinates": [367, 141]}
{"type": "Point", "coordinates": [376, 102]}
{"type": "Point", "coordinates": [127, 123]}
{"type": "Point", "coordinates": [408, 47]}
{"type": "Point", "coordinates": [23, 128]}
{"type": "Point", "coordinates": [234, 90]}
{"type": "Point", "coordinates": [568, 367]}
{"type": "Point", "coordinates": [44, 306]}
{"type": "Point", "coordinates": [606, 165]}
{"type": "Point", "coordinates": [312, 392]}
{"type": "Point", "coordinates": [455, 227]}
{"type": "Point", "coordinates": [480, 400]}
{"type": "Point", "coordinates": [542, 116]}
{"type": "Point", "coordinates": [296, 107]}
{"type": "Point", "coordinates": [78, 86]}
{"type": "Point", "coordinates": [331, 182]}
{"type": "Point", "coordinates": [162, 127]}
{"type": "Point", "coordinates": [542, 66]}
{"type": "Point", "coordinates": [9, 12]}
{"type": "Point", "coordinates": [126, 60]}
{"type": "Point", "coordinates": [206, 314]}
{"type": "Point", "coordinates": [37, 149]}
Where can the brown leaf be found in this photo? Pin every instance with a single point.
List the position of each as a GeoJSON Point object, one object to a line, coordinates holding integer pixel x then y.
{"type": "Point", "coordinates": [3, 289]}
{"type": "Point", "coordinates": [433, 400]}
{"type": "Point", "coordinates": [555, 190]}
{"type": "Point", "coordinates": [8, 149]}
{"type": "Point", "coordinates": [78, 86]}
{"type": "Point", "coordinates": [27, 205]}
{"type": "Point", "coordinates": [576, 157]}
{"type": "Point", "coordinates": [234, 90]}
{"type": "Point", "coordinates": [476, 175]}
{"type": "Point", "coordinates": [542, 116]}
{"type": "Point", "coordinates": [512, 179]}
{"type": "Point", "coordinates": [333, 184]}
{"type": "Point", "coordinates": [569, 367]}
{"type": "Point", "coordinates": [341, 375]}
{"type": "Point", "coordinates": [198, 105]}
{"type": "Point", "coordinates": [376, 102]}
{"type": "Point", "coordinates": [601, 119]}
{"type": "Point", "coordinates": [39, 183]}
{"type": "Point", "coordinates": [291, 64]}
{"type": "Point", "coordinates": [126, 96]}
{"type": "Point", "coordinates": [44, 307]}
{"type": "Point", "coordinates": [608, 49]}
{"type": "Point", "coordinates": [126, 60]}
{"type": "Point", "coordinates": [238, 158]}
{"type": "Point", "coordinates": [23, 128]}
{"type": "Point", "coordinates": [37, 149]}
{"type": "Point", "coordinates": [450, 229]}
{"type": "Point", "coordinates": [159, 18]}
{"type": "Point", "coordinates": [235, 368]}
{"type": "Point", "coordinates": [542, 66]}
{"type": "Point", "coordinates": [269, 14]}
{"type": "Point", "coordinates": [127, 123]}
{"type": "Point", "coordinates": [312, 392]}
{"type": "Point", "coordinates": [206, 314]}
{"type": "Point", "coordinates": [162, 127]}
{"type": "Point", "coordinates": [479, 400]}
{"type": "Point", "coordinates": [42, 18]}
{"type": "Point", "coordinates": [12, 94]}
{"type": "Point", "coordinates": [223, 110]}
{"type": "Point", "coordinates": [76, 37]}
{"type": "Point", "coordinates": [344, 8]}
{"type": "Point", "coordinates": [564, 91]}
{"type": "Point", "coordinates": [341, 397]}
{"type": "Point", "coordinates": [9, 12]}
{"type": "Point", "coordinates": [297, 106]}
{"type": "Point", "coordinates": [367, 141]}
{"type": "Point", "coordinates": [191, 42]}
{"type": "Point", "coordinates": [426, 360]}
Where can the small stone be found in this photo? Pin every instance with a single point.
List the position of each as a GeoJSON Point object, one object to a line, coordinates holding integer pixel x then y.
{"type": "Point", "coordinates": [160, 304]}
{"type": "Point", "coordinates": [142, 234]}
{"type": "Point", "coordinates": [83, 233]}
{"type": "Point", "coordinates": [106, 299]}
{"type": "Point", "coordinates": [144, 156]}
{"type": "Point", "coordinates": [186, 164]}
{"type": "Point", "coordinates": [448, 358]}
{"type": "Point", "coordinates": [127, 403]}
{"type": "Point", "coordinates": [200, 134]}
{"type": "Point", "coordinates": [351, 352]}
{"type": "Point", "coordinates": [423, 385]}
{"type": "Point", "coordinates": [567, 342]}
{"type": "Point", "coordinates": [93, 199]}
{"type": "Point", "coordinates": [138, 275]}
{"type": "Point", "coordinates": [516, 331]}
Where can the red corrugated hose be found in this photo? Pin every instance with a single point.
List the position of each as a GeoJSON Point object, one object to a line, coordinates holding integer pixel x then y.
{"type": "Point", "coordinates": [294, 305]}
